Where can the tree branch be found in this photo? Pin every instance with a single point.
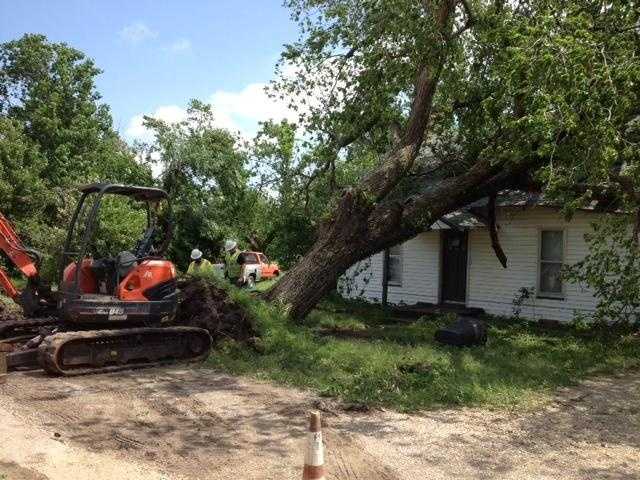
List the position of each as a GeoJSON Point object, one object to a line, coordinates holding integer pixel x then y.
{"type": "Point", "coordinates": [627, 185]}
{"type": "Point", "coordinates": [493, 231]}
{"type": "Point", "coordinates": [380, 182]}
{"type": "Point", "coordinates": [482, 179]}
{"type": "Point", "coordinates": [470, 19]}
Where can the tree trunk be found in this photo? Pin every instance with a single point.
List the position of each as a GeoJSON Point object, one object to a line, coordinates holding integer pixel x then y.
{"type": "Point", "coordinates": [360, 229]}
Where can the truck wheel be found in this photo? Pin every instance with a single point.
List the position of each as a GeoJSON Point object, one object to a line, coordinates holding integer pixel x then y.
{"type": "Point", "coordinates": [276, 273]}
{"type": "Point", "coordinates": [251, 282]}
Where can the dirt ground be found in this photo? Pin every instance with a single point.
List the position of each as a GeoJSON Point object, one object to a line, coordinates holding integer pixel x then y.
{"type": "Point", "coordinates": [179, 423]}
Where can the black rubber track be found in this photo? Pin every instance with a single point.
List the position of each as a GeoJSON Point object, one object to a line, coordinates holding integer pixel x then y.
{"type": "Point", "coordinates": [51, 350]}
{"type": "Point", "coordinates": [8, 327]}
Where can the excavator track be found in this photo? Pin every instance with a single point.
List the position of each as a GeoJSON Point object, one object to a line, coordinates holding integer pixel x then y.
{"type": "Point", "coordinates": [10, 327]}
{"type": "Point", "coordinates": [100, 351]}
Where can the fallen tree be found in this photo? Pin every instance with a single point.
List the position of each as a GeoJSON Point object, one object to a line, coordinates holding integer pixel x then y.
{"type": "Point", "coordinates": [459, 100]}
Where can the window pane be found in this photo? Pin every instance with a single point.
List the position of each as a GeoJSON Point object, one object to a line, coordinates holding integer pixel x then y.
{"type": "Point", "coordinates": [263, 258]}
{"type": "Point", "coordinates": [394, 272]}
{"type": "Point", "coordinates": [551, 248]}
{"type": "Point", "coordinates": [550, 279]}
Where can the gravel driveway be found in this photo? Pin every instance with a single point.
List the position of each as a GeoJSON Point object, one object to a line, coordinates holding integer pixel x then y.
{"type": "Point", "coordinates": [177, 423]}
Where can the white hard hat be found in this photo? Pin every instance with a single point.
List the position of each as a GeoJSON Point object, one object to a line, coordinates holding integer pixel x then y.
{"type": "Point", "coordinates": [196, 254]}
{"type": "Point", "coordinates": [230, 245]}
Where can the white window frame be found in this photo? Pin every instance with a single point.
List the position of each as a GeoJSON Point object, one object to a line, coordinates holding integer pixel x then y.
{"type": "Point", "coordinates": [400, 256]}
{"type": "Point", "coordinates": [539, 292]}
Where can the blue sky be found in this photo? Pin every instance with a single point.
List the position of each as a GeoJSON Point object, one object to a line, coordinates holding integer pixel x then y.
{"type": "Point", "coordinates": [156, 55]}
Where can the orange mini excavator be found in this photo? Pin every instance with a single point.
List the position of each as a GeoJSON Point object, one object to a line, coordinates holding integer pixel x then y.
{"type": "Point", "coordinates": [108, 313]}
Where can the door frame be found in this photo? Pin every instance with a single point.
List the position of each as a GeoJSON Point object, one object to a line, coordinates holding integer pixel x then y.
{"type": "Point", "coordinates": [441, 300]}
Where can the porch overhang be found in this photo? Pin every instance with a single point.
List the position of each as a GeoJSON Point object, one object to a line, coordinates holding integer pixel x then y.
{"type": "Point", "coordinates": [459, 220]}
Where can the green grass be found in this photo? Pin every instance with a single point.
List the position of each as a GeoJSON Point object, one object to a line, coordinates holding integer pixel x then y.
{"type": "Point", "coordinates": [264, 285]}
{"type": "Point", "coordinates": [400, 366]}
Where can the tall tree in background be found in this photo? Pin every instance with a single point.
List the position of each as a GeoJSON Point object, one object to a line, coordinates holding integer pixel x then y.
{"type": "Point", "coordinates": [284, 226]}
{"type": "Point", "coordinates": [54, 135]}
{"type": "Point", "coordinates": [205, 174]}
{"type": "Point", "coordinates": [464, 98]}
{"type": "Point", "coordinates": [296, 195]}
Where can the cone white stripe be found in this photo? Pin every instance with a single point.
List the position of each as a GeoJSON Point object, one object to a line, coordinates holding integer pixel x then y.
{"type": "Point", "coordinates": [314, 455]}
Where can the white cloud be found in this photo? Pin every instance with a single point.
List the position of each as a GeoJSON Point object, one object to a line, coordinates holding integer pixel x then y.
{"type": "Point", "coordinates": [181, 45]}
{"type": "Point", "coordinates": [137, 32]}
{"type": "Point", "coordinates": [169, 113]}
{"type": "Point", "coordinates": [239, 111]}
{"type": "Point", "coordinates": [250, 106]}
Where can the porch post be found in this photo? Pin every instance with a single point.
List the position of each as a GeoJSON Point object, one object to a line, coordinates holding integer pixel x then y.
{"type": "Point", "coordinates": [385, 286]}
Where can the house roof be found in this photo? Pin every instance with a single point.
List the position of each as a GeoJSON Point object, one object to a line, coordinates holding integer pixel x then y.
{"type": "Point", "coordinates": [474, 215]}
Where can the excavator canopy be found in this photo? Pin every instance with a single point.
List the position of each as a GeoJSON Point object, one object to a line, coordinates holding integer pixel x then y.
{"type": "Point", "coordinates": [143, 194]}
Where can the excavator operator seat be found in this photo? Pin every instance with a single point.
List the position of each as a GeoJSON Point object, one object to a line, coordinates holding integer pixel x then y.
{"type": "Point", "coordinates": [125, 262]}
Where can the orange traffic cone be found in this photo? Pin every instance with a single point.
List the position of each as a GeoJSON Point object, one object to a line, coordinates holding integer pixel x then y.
{"type": "Point", "coordinates": [314, 455]}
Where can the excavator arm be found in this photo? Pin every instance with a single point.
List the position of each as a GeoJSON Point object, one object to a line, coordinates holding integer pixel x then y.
{"type": "Point", "coordinates": [23, 258]}
{"type": "Point", "coordinates": [37, 295]}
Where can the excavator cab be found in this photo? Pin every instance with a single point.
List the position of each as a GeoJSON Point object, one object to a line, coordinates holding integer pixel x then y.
{"type": "Point", "coordinates": [136, 286]}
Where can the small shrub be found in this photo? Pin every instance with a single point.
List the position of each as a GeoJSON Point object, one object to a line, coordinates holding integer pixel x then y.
{"type": "Point", "coordinates": [612, 270]}
{"type": "Point", "coordinates": [522, 296]}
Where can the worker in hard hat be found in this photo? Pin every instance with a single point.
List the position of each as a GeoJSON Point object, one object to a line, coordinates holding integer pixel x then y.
{"type": "Point", "coordinates": [199, 265]}
{"type": "Point", "coordinates": [233, 263]}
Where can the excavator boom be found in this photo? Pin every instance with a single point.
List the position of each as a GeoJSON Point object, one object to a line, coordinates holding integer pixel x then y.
{"type": "Point", "coordinates": [7, 286]}
{"type": "Point", "coordinates": [24, 259]}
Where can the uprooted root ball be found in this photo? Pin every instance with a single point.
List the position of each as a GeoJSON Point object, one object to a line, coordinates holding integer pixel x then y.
{"type": "Point", "coordinates": [207, 306]}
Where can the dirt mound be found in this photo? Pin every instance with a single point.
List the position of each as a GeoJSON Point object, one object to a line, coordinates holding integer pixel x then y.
{"type": "Point", "coordinates": [206, 306]}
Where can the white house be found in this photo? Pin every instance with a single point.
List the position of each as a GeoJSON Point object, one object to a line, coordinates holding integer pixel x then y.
{"type": "Point", "coordinates": [453, 263]}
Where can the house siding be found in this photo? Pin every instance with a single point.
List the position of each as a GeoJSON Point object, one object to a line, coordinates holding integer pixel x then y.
{"type": "Point", "coordinates": [420, 277]}
{"type": "Point", "coordinates": [494, 288]}
{"type": "Point", "coordinates": [489, 286]}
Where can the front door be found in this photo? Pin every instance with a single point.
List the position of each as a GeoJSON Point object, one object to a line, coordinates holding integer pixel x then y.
{"type": "Point", "coordinates": [454, 266]}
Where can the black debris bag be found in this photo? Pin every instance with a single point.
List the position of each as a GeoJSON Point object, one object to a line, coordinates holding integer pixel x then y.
{"type": "Point", "coordinates": [464, 332]}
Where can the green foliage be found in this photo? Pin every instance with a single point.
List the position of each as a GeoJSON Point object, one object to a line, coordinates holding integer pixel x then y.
{"type": "Point", "coordinates": [562, 85]}
{"type": "Point", "coordinates": [400, 365]}
{"type": "Point", "coordinates": [121, 223]}
{"type": "Point", "coordinates": [285, 225]}
{"type": "Point", "coordinates": [556, 85]}
{"type": "Point", "coordinates": [295, 196]}
{"type": "Point", "coordinates": [204, 171]}
{"type": "Point", "coordinates": [49, 90]}
{"type": "Point", "coordinates": [265, 285]}
{"type": "Point", "coordinates": [612, 270]}
{"type": "Point", "coordinates": [55, 135]}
